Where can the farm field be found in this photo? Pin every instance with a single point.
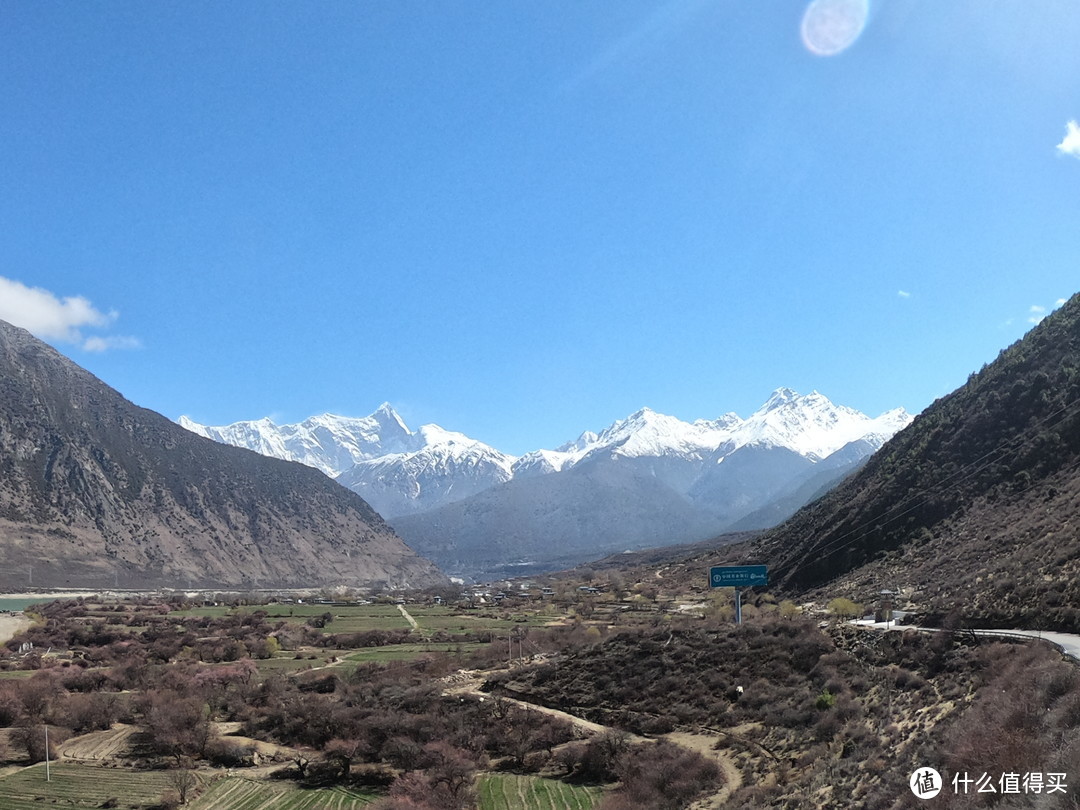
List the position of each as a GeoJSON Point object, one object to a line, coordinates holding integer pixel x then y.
{"type": "Point", "coordinates": [359, 618]}
{"type": "Point", "coordinates": [407, 652]}
{"type": "Point", "coordinates": [233, 793]}
{"type": "Point", "coordinates": [348, 659]}
{"type": "Point", "coordinates": [75, 785]}
{"type": "Point", "coordinates": [514, 792]}
{"type": "Point", "coordinates": [288, 662]}
{"type": "Point", "coordinates": [347, 619]}
{"type": "Point", "coordinates": [99, 745]}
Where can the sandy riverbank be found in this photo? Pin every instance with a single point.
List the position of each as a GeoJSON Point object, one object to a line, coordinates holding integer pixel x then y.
{"type": "Point", "coordinates": [45, 597]}
{"type": "Point", "coordinates": [11, 624]}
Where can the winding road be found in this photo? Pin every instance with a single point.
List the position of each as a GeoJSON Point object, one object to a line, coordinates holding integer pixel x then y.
{"type": "Point", "coordinates": [1068, 643]}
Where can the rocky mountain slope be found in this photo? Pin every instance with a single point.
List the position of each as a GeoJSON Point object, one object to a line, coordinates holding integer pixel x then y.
{"type": "Point", "coordinates": [97, 491]}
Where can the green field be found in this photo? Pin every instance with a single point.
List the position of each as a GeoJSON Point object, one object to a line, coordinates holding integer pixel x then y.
{"type": "Point", "coordinates": [358, 618]}
{"type": "Point", "coordinates": [86, 786]}
{"type": "Point", "coordinates": [348, 619]}
{"type": "Point", "coordinates": [234, 793]}
{"type": "Point", "coordinates": [513, 792]}
{"type": "Point", "coordinates": [80, 786]}
{"type": "Point", "coordinates": [16, 673]}
{"type": "Point", "coordinates": [287, 661]}
{"type": "Point", "coordinates": [432, 618]}
{"type": "Point", "coordinates": [407, 652]}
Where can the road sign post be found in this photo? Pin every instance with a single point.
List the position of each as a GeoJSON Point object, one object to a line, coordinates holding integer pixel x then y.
{"type": "Point", "coordinates": [738, 577]}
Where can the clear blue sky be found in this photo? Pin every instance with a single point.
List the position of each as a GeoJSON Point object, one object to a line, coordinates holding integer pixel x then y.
{"type": "Point", "coordinates": [524, 219]}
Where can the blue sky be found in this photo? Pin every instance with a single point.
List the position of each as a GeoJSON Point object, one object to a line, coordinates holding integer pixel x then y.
{"type": "Point", "coordinates": [522, 220]}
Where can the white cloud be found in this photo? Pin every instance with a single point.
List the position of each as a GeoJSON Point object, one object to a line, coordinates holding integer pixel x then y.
{"type": "Point", "coordinates": [1036, 313]}
{"type": "Point", "coordinates": [1070, 144]}
{"type": "Point", "coordinates": [103, 344]}
{"type": "Point", "coordinates": [903, 294]}
{"type": "Point", "coordinates": [1059, 302]}
{"type": "Point", "coordinates": [62, 319]}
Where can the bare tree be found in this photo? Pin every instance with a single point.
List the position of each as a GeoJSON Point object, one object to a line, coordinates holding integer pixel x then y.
{"type": "Point", "coordinates": [183, 781]}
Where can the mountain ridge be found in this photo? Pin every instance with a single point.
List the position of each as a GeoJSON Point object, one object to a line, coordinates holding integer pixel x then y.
{"type": "Point", "coordinates": [458, 500]}
{"type": "Point", "coordinates": [970, 508]}
{"type": "Point", "coordinates": [810, 425]}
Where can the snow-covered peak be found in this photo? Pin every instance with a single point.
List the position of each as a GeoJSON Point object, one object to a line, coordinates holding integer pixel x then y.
{"type": "Point", "coordinates": [434, 437]}
{"type": "Point", "coordinates": [194, 427]}
{"type": "Point", "coordinates": [727, 422]}
{"type": "Point", "coordinates": [542, 462]}
{"type": "Point", "coordinates": [780, 398]}
{"type": "Point", "coordinates": [811, 425]}
{"type": "Point", "coordinates": [583, 442]}
{"type": "Point", "coordinates": [892, 422]}
{"type": "Point", "coordinates": [328, 442]}
{"type": "Point", "coordinates": [648, 433]}
{"type": "Point", "coordinates": [388, 418]}
{"type": "Point", "coordinates": [398, 469]}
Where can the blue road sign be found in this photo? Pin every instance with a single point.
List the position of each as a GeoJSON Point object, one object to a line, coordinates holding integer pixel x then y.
{"type": "Point", "coordinates": [738, 576]}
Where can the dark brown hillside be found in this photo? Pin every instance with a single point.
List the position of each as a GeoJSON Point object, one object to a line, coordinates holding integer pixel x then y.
{"type": "Point", "coordinates": [974, 504]}
{"type": "Point", "coordinates": [96, 491]}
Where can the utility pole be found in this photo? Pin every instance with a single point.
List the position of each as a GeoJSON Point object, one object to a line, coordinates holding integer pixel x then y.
{"type": "Point", "coordinates": [48, 773]}
{"type": "Point", "coordinates": [738, 606]}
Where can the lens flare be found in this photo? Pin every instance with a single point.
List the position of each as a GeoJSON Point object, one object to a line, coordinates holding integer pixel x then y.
{"type": "Point", "coordinates": [831, 26]}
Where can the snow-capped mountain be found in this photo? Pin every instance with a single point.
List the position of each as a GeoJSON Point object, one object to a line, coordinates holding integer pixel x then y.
{"type": "Point", "coordinates": [447, 467]}
{"type": "Point", "coordinates": [396, 470]}
{"type": "Point", "coordinates": [459, 500]}
{"type": "Point", "coordinates": [810, 426]}
{"type": "Point", "coordinates": [603, 492]}
{"type": "Point", "coordinates": [328, 443]}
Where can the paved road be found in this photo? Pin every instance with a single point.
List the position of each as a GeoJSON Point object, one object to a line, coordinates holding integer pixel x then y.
{"type": "Point", "coordinates": [1068, 642]}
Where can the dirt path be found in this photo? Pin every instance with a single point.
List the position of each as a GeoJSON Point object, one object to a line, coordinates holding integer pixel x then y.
{"type": "Point", "coordinates": [472, 688]}
{"type": "Point", "coordinates": [409, 618]}
{"type": "Point", "coordinates": [703, 744]}
{"type": "Point", "coordinates": [699, 743]}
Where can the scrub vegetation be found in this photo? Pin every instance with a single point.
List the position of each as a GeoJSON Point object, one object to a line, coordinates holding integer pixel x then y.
{"type": "Point", "coordinates": [603, 689]}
